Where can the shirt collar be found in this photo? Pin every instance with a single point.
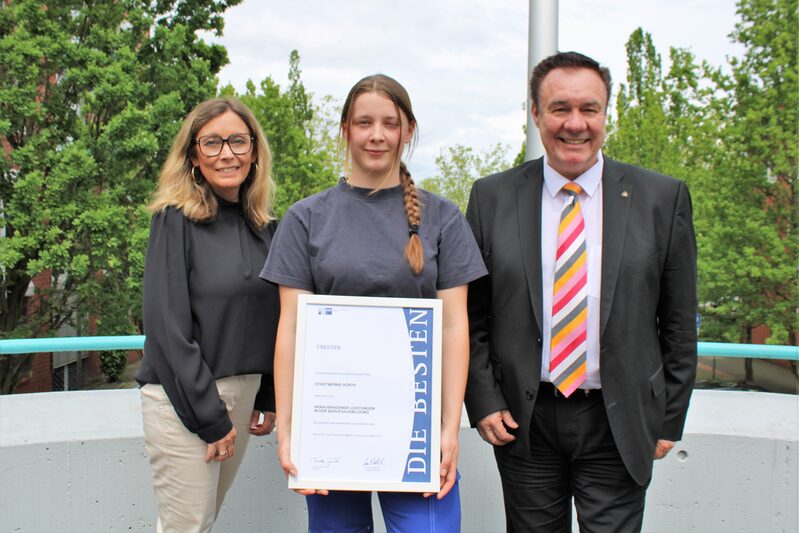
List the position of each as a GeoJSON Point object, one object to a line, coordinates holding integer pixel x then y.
{"type": "Point", "coordinates": [588, 180]}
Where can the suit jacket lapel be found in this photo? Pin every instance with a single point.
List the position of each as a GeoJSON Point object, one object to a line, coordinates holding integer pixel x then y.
{"type": "Point", "coordinates": [617, 193]}
{"type": "Point", "coordinates": [528, 210]}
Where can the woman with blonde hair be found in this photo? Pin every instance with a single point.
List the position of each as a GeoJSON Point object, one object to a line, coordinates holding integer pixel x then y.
{"type": "Point", "coordinates": [210, 321]}
{"type": "Point", "coordinates": [376, 234]}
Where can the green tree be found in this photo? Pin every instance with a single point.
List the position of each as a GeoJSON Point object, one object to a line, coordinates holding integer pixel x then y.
{"type": "Point", "coordinates": [753, 267]}
{"type": "Point", "coordinates": [302, 162]}
{"type": "Point", "coordinates": [459, 166]}
{"type": "Point", "coordinates": [733, 139]}
{"type": "Point", "coordinates": [641, 133]}
{"type": "Point", "coordinates": [91, 96]}
{"type": "Point", "coordinates": [325, 130]}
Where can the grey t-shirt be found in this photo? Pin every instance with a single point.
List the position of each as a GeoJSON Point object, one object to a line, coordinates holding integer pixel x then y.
{"type": "Point", "coordinates": [348, 241]}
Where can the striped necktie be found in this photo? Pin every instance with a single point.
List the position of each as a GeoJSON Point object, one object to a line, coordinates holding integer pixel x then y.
{"type": "Point", "coordinates": [570, 298]}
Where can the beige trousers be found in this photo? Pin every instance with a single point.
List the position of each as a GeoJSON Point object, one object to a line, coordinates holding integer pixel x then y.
{"type": "Point", "coordinates": [188, 491]}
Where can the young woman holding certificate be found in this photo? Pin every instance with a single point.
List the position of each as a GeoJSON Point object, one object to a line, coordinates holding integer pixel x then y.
{"type": "Point", "coordinates": [376, 234]}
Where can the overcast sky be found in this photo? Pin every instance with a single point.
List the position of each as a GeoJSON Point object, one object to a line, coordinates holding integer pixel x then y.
{"type": "Point", "coordinates": [464, 63]}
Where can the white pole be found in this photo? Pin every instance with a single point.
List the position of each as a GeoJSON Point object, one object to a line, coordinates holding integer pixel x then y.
{"type": "Point", "coordinates": [542, 38]}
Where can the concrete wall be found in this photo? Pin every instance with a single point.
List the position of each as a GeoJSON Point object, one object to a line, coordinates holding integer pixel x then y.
{"type": "Point", "coordinates": [75, 462]}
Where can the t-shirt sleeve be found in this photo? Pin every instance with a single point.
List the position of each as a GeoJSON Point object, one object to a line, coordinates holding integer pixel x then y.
{"type": "Point", "coordinates": [459, 259]}
{"type": "Point", "coordinates": [289, 260]}
{"type": "Point", "coordinates": [170, 349]}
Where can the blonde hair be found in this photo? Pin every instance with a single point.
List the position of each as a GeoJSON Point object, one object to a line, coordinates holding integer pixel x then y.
{"type": "Point", "coordinates": [178, 188]}
{"type": "Point", "coordinates": [380, 83]}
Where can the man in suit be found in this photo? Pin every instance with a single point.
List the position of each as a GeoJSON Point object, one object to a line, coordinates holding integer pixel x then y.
{"type": "Point", "coordinates": [583, 337]}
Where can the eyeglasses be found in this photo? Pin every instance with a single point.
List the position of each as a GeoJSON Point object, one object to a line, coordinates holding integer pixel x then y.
{"type": "Point", "coordinates": [211, 145]}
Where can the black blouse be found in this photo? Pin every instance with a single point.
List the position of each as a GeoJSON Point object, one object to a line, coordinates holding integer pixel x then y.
{"type": "Point", "coordinates": [207, 314]}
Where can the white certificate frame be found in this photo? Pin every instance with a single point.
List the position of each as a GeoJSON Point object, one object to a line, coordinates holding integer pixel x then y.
{"type": "Point", "coordinates": [325, 408]}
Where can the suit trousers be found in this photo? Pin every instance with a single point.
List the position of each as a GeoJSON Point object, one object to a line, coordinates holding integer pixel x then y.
{"type": "Point", "coordinates": [189, 492]}
{"type": "Point", "coordinates": [573, 454]}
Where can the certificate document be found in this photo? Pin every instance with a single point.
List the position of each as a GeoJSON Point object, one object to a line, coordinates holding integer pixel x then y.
{"type": "Point", "coordinates": [366, 411]}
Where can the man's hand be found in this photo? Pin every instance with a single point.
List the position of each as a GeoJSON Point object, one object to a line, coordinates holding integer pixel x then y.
{"type": "Point", "coordinates": [493, 428]}
{"type": "Point", "coordinates": [262, 427]}
{"type": "Point", "coordinates": [662, 448]}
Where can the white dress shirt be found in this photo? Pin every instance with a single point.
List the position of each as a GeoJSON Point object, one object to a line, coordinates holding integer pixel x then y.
{"type": "Point", "coordinates": [552, 202]}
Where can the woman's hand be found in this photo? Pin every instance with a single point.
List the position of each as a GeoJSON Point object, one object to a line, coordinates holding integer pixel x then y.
{"type": "Point", "coordinates": [449, 463]}
{"type": "Point", "coordinates": [284, 455]}
{"type": "Point", "coordinates": [455, 367]}
{"type": "Point", "coordinates": [259, 427]}
{"type": "Point", "coordinates": [284, 379]}
{"type": "Point", "coordinates": [221, 449]}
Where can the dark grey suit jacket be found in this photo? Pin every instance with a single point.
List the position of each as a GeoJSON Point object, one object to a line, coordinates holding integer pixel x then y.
{"type": "Point", "coordinates": [648, 305]}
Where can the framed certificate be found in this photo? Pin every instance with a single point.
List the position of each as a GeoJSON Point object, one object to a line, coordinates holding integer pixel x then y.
{"type": "Point", "coordinates": [366, 411]}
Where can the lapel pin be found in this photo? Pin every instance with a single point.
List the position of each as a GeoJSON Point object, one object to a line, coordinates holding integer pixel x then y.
{"type": "Point", "coordinates": [624, 194]}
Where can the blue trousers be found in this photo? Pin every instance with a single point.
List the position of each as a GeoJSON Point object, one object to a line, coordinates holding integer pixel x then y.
{"type": "Point", "coordinates": [404, 512]}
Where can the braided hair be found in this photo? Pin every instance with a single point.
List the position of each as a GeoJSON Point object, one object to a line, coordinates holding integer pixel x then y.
{"type": "Point", "coordinates": [414, 252]}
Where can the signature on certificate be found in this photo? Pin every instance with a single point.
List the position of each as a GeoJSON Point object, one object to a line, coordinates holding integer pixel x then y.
{"type": "Point", "coordinates": [373, 463]}
{"type": "Point", "coordinates": [324, 462]}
